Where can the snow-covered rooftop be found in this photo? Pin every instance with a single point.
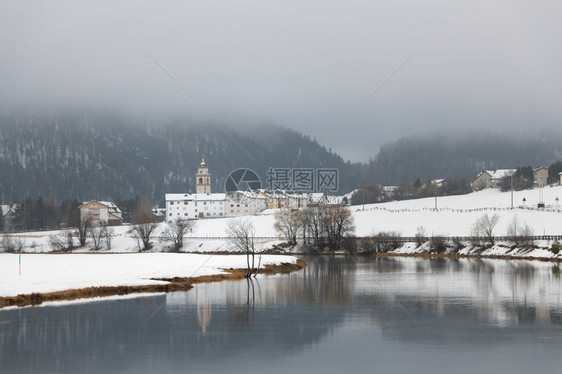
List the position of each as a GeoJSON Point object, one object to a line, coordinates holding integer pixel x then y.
{"type": "Point", "coordinates": [195, 197]}
{"type": "Point", "coordinates": [502, 173]}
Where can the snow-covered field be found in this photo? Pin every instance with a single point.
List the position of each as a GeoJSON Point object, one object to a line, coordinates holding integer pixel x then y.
{"type": "Point", "coordinates": [59, 272]}
{"type": "Point", "coordinates": [456, 214]}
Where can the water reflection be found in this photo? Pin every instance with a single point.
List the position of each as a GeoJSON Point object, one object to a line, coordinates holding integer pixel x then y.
{"type": "Point", "coordinates": [383, 305]}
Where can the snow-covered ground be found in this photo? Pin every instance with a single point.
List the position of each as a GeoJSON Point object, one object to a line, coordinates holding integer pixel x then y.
{"type": "Point", "coordinates": [455, 215]}
{"type": "Point", "coordinates": [59, 272]}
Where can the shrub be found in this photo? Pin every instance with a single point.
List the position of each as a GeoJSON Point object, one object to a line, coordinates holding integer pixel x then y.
{"type": "Point", "coordinates": [421, 236]}
{"type": "Point", "coordinates": [385, 242]}
{"type": "Point", "coordinates": [556, 247]}
{"type": "Point", "coordinates": [437, 244]}
{"type": "Point", "coordinates": [11, 245]}
{"type": "Point", "coordinates": [457, 244]}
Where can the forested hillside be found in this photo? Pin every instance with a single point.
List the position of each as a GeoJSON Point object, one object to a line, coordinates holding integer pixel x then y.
{"type": "Point", "coordinates": [461, 154]}
{"type": "Point", "coordinates": [112, 157]}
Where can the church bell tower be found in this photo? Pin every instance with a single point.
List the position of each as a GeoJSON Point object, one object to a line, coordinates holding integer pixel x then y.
{"type": "Point", "coordinates": [203, 179]}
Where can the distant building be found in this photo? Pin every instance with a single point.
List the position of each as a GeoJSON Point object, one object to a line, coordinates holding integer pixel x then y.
{"type": "Point", "coordinates": [204, 204]}
{"type": "Point", "coordinates": [195, 206]}
{"type": "Point", "coordinates": [389, 191]}
{"type": "Point", "coordinates": [278, 199]}
{"type": "Point", "coordinates": [540, 175]}
{"type": "Point", "coordinates": [243, 203]}
{"type": "Point", "coordinates": [438, 182]}
{"type": "Point", "coordinates": [101, 213]}
{"type": "Point", "coordinates": [499, 175]}
{"type": "Point", "coordinates": [483, 180]}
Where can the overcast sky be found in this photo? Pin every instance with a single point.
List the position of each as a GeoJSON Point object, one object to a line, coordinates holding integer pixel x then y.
{"type": "Point", "coordinates": [308, 65]}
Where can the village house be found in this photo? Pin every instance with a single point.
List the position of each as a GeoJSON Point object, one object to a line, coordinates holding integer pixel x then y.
{"type": "Point", "coordinates": [278, 199]}
{"type": "Point", "coordinates": [101, 213]}
{"type": "Point", "coordinates": [245, 202]}
{"type": "Point", "coordinates": [499, 175]}
{"type": "Point", "coordinates": [540, 175]}
{"type": "Point", "coordinates": [483, 180]}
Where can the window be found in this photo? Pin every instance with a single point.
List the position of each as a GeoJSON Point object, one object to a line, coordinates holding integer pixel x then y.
{"type": "Point", "coordinates": [185, 203]}
{"type": "Point", "coordinates": [171, 203]}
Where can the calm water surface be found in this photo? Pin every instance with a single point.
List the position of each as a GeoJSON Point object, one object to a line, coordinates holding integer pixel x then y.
{"type": "Point", "coordinates": [398, 315]}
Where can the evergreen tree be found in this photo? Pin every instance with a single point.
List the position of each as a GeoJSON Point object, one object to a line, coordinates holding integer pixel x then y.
{"type": "Point", "coordinates": [553, 172]}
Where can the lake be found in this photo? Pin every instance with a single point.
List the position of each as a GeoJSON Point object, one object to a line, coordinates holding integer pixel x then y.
{"type": "Point", "coordinates": [338, 315]}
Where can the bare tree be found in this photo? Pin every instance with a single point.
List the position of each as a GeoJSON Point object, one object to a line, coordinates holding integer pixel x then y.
{"type": "Point", "coordinates": [338, 223]}
{"type": "Point", "coordinates": [484, 227]}
{"type": "Point", "coordinates": [520, 234]}
{"type": "Point", "coordinates": [175, 232]}
{"type": "Point", "coordinates": [288, 222]}
{"type": "Point", "coordinates": [421, 236]}
{"type": "Point", "coordinates": [242, 235]}
{"type": "Point", "coordinates": [98, 234]}
{"type": "Point", "coordinates": [82, 224]}
{"type": "Point", "coordinates": [513, 229]}
{"type": "Point", "coordinates": [107, 238]}
{"type": "Point", "coordinates": [312, 219]}
{"type": "Point", "coordinates": [63, 242]}
{"type": "Point", "coordinates": [144, 225]}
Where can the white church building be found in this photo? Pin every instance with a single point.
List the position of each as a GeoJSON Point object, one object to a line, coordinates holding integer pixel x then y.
{"type": "Point", "coordinates": [205, 204]}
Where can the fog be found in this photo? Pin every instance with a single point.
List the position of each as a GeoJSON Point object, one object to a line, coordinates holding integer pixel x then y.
{"type": "Point", "coordinates": [353, 74]}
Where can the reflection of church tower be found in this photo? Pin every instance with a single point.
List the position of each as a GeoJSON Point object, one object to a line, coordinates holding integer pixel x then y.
{"type": "Point", "coordinates": [204, 316]}
{"type": "Point", "coordinates": [204, 312]}
{"type": "Point", "coordinates": [203, 179]}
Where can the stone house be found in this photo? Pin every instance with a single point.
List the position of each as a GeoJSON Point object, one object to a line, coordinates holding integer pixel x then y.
{"type": "Point", "coordinates": [541, 175]}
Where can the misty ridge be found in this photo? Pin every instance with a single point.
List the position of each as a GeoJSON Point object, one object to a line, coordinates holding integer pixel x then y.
{"type": "Point", "coordinates": [94, 156]}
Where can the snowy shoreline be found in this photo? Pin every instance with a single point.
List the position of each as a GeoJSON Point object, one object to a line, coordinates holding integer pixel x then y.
{"type": "Point", "coordinates": [52, 273]}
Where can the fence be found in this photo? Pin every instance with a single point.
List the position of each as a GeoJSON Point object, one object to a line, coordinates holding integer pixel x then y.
{"type": "Point", "coordinates": [496, 209]}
